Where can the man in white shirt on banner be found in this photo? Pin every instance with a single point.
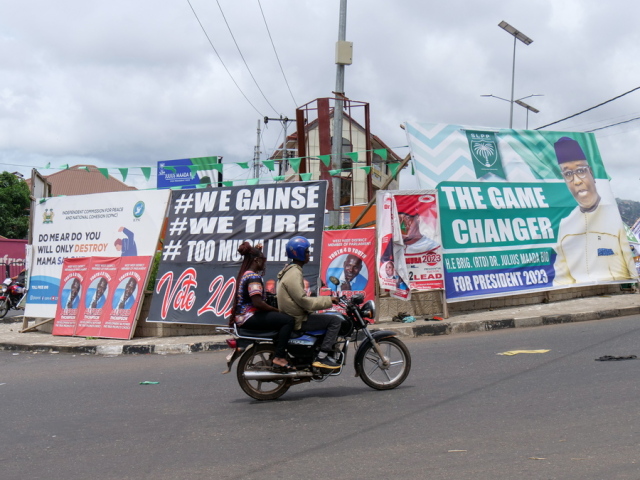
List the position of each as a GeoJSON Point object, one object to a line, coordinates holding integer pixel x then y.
{"type": "Point", "coordinates": [592, 244]}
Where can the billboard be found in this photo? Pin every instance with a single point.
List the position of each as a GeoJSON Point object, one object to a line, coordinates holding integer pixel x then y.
{"type": "Point", "coordinates": [189, 172]}
{"type": "Point", "coordinates": [521, 210]}
{"type": "Point", "coordinates": [197, 275]}
{"type": "Point", "coordinates": [115, 224]}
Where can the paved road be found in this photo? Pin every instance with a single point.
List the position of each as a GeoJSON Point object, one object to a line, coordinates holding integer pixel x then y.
{"type": "Point", "coordinates": [464, 413]}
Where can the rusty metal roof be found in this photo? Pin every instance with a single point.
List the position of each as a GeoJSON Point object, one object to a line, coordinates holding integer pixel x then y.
{"type": "Point", "coordinates": [77, 180]}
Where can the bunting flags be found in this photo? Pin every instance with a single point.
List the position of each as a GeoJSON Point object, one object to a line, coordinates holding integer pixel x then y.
{"type": "Point", "coordinates": [213, 163]}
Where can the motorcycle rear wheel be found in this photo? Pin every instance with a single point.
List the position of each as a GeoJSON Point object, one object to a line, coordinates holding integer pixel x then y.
{"type": "Point", "coordinates": [4, 307]}
{"type": "Point", "coordinates": [259, 357]}
{"type": "Point", "coordinates": [372, 371]}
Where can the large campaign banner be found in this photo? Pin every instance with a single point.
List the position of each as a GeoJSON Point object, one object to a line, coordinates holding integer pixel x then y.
{"type": "Point", "coordinates": [348, 263]}
{"type": "Point", "coordinates": [521, 210]}
{"type": "Point", "coordinates": [196, 278]}
{"type": "Point", "coordinates": [409, 247]}
{"type": "Point", "coordinates": [100, 296]}
{"type": "Point", "coordinates": [116, 224]}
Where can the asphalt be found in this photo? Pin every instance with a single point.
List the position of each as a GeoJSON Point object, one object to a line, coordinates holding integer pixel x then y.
{"type": "Point", "coordinates": [576, 310]}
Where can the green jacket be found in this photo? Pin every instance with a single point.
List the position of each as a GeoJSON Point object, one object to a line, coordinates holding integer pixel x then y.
{"type": "Point", "coordinates": [292, 298]}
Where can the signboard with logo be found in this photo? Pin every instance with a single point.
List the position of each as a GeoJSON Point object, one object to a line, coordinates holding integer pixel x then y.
{"type": "Point", "coordinates": [116, 224]}
{"type": "Point", "coordinates": [521, 210]}
{"type": "Point", "coordinates": [196, 279]}
{"type": "Point", "coordinates": [189, 172]}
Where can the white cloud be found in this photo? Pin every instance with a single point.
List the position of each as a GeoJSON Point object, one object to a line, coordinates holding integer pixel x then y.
{"type": "Point", "coordinates": [132, 83]}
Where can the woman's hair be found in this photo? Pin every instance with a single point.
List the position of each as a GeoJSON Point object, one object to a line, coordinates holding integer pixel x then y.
{"type": "Point", "coordinates": [250, 253]}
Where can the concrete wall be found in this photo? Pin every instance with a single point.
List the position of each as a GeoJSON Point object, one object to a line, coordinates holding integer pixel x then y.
{"type": "Point", "coordinates": [423, 304]}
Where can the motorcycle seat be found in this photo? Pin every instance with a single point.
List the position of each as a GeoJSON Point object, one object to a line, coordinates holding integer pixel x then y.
{"type": "Point", "coordinates": [315, 332]}
{"type": "Point", "coordinates": [245, 332]}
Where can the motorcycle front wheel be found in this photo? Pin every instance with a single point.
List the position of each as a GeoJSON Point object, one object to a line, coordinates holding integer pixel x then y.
{"type": "Point", "coordinates": [373, 371]}
{"type": "Point", "coordinates": [259, 358]}
{"type": "Point", "coordinates": [4, 307]}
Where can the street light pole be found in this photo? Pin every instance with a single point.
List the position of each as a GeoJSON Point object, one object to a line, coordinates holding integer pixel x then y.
{"type": "Point", "coordinates": [521, 103]}
{"type": "Point", "coordinates": [529, 109]}
{"type": "Point", "coordinates": [517, 35]}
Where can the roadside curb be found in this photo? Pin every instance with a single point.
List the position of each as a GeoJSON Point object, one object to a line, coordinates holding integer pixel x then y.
{"type": "Point", "coordinates": [107, 350]}
{"type": "Point", "coordinates": [451, 326]}
{"type": "Point", "coordinates": [434, 328]}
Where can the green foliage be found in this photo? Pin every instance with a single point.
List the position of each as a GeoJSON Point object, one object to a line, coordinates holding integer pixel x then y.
{"type": "Point", "coordinates": [151, 284]}
{"type": "Point", "coordinates": [14, 206]}
{"type": "Point", "coordinates": [346, 226]}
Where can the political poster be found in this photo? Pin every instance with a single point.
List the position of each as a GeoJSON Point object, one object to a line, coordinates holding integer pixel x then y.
{"type": "Point", "coordinates": [115, 224]}
{"type": "Point", "coordinates": [100, 296]}
{"type": "Point", "coordinates": [70, 297]}
{"type": "Point", "coordinates": [538, 214]}
{"type": "Point", "coordinates": [196, 278]}
{"type": "Point", "coordinates": [409, 247]}
{"type": "Point", "coordinates": [348, 263]}
{"type": "Point", "coordinates": [101, 273]}
{"type": "Point", "coordinates": [121, 308]}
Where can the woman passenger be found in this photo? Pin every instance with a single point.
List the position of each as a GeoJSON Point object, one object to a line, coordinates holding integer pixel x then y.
{"type": "Point", "coordinates": [251, 310]}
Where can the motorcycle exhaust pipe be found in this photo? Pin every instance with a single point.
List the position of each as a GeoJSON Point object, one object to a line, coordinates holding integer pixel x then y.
{"type": "Point", "coordinates": [266, 376]}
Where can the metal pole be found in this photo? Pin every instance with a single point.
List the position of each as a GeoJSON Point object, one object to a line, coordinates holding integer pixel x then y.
{"type": "Point", "coordinates": [513, 78]}
{"type": "Point", "coordinates": [336, 148]}
{"type": "Point", "coordinates": [256, 155]}
{"type": "Point", "coordinates": [285, 155]}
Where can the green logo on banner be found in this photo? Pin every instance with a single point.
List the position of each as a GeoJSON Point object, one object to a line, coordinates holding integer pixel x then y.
{"type": "Point", "coordinates": [484, 153]}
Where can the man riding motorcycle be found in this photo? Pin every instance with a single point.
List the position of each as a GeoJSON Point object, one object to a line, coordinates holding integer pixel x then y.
{"type": "Point", "coordinates": [293, 300]}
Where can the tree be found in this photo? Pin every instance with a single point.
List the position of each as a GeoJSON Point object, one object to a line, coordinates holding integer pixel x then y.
{"type": "Point", "coordinates": [14, 206]}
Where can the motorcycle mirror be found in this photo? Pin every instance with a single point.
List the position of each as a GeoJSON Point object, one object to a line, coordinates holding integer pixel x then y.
{"type": "Point", "coordinates": [334, 280]}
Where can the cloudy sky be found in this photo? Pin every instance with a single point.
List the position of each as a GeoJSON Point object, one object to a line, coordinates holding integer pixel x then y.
{"type": "Point", "coordinates": [130, 83]}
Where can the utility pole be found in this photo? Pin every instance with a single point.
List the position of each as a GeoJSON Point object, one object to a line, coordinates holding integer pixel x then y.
{"type": "Point", "coordinates": [256, 155]}
{"type": "Point", "coordinates": [285, 121]}
{"type": "Point", "coordinates": [344, 51]}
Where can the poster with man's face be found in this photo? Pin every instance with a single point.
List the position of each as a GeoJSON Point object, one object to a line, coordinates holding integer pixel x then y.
{"type": "Point", "coordinates": [521, 210]}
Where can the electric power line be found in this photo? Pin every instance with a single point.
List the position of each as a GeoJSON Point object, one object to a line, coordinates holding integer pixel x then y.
{"type": "Point", "coordinates": [588, 109]}
{"type": "Point", "coordinates": [277, 57]}
{"type": "Point", "coordinates": [613, 124]}
{"type": "Point", "coordinates": [220, 58]}
{"type": "Point", "coordinates": [242, 56]}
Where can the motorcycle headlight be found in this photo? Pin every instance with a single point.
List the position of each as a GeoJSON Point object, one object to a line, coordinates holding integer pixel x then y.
{"type": "Point", "coordinates": [368, 310]}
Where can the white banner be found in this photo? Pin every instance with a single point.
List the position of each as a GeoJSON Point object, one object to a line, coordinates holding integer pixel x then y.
{"type": "Point", "coordinates": [102, 224]}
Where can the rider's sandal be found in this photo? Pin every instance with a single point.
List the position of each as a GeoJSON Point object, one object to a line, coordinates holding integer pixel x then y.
{"type": "Point", "coordinates": [286, 368]}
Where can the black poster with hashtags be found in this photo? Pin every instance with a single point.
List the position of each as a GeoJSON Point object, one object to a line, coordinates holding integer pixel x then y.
{"type": "Point", "coordinates": [196, 277]}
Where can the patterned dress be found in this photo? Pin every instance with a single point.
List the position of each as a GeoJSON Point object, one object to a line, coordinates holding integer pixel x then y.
{"type": "Point", "coordinates": [250, 284]}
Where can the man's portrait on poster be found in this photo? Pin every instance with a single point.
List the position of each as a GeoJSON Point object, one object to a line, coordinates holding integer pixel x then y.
{"type": "Point", "coordinates": [592, 244]}
{"type": "Point", "coordinates": [125, 296]}
{"type": "Point", "coordinates": [71, 293]}
{"type": "Point", "coordinates": [97, 293]}
{"type": "Point", "coordinates": [351, 272]}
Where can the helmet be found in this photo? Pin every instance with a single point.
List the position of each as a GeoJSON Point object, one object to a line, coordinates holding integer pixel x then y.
{"type": "Point", "coordinates": [296, 248]}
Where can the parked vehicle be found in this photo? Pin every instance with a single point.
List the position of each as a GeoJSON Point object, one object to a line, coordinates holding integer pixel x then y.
{"type": "Point", "coordinates": [11, 294]}
{"type": "Point", "coordinates": [382, 360]}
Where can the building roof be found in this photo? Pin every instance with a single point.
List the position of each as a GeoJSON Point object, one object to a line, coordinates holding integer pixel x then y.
{"type": "Point", "coordinates": [83, 180]}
